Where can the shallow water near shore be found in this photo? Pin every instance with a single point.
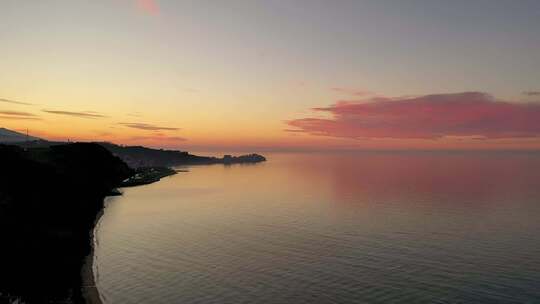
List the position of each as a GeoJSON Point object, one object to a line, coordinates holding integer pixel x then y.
{"type": "Point", "coordinates": [329, 228]}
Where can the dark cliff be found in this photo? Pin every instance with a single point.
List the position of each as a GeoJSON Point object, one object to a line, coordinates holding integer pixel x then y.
{"type": "Point", "coordinates": [49, 200]}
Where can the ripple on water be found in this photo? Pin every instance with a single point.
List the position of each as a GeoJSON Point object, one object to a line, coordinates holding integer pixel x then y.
{"type": "Point", "coordinates": [266, 234]}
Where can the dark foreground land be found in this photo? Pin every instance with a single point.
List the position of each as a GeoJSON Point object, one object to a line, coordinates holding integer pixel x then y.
{"type": "Point", "coordinates": [50, 197]}
{"type": "Point", "coordinates": [49, 200]}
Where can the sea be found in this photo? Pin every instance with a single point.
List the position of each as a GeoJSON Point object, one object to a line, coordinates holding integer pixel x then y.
{"type": "Point", "coordinates": [329, 227]}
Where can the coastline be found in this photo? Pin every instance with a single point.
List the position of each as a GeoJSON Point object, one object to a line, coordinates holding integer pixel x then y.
{"type": "Point", "coordinates": [49, 223]}
{"type": "Point", "coordinates": [89, 291]}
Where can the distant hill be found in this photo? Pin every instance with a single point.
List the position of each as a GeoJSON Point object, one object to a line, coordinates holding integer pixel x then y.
{"type": "Point", "coordinates": [9, 136]}
{"type": "Point", "coordinates": [136, 156]}
{"type": "Point", "coordinates": [139, 156]}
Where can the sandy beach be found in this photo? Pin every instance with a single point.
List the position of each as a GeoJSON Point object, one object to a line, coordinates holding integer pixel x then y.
{"type": "Point", "coordinates": [89, 291]}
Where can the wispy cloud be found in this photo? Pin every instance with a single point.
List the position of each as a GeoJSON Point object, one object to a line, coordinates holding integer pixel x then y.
{"type": "Point", "coordinates": [158, 138]}
{"type": "Point", "coordinates": [531, 93]}
{"type": "Point", "coordinates": [4, 117]}
{"type": "Point", "coordinates": [471, 114]}
{"type": "Point", "coordinates": [148, 127]}
{"type": "Point", "coordinates": [353, 92]}
{"type": "Point", "coordinates": [16, 113]}
{"type": "Point", "coordinates": [15, 102]}
{"type": "Point", "coordinates": [148, 6]}
{"type": "Point", "coordinates": [85, 114]}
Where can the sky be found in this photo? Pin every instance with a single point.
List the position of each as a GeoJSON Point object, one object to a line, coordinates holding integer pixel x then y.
{"type": "Point", "coordinates": [274, 75]}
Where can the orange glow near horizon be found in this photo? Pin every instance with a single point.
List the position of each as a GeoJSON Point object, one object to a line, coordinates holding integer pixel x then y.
{"type": "Point", "coordinates": [203, 129]}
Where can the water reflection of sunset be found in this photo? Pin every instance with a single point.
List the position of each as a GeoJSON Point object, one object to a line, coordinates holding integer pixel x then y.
{"type": "Point", "coordinates": [460, 178]}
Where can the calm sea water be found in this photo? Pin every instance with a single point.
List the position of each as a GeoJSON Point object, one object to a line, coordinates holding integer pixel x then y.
{"type": "Point", "coordinates": [329, 228]}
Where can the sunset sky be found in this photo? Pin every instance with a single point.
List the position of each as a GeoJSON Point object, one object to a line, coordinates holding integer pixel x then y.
{"type": "Point", "coordinates": [274, 75]}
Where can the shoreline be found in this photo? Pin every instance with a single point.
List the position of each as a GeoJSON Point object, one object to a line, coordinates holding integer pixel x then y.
{"type": "Point", "coordinates": [66, 267]}
{"type": "Point", "coordinates": [89, 291]}
{"type": "Point", "coordinates": [146, 176]}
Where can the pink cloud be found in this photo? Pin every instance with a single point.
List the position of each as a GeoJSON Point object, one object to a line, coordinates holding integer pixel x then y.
{"type": "Point", "coordinates": [469, 114]}
{"type": "Point", "coordinates": [148, 6]}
